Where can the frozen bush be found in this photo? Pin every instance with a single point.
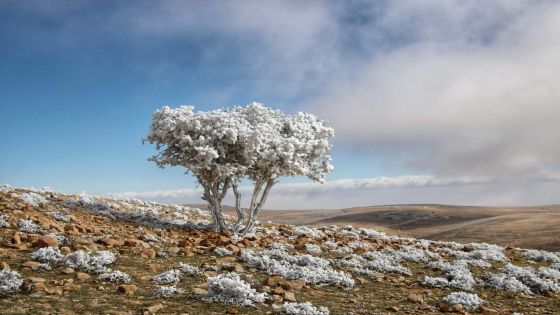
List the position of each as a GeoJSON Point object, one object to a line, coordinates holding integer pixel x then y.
{"type": "Point", "coordinates": [456, 273]}
{"type": "Point", "coordinates": [32, 199]}
{"type": "Point", "coordinates": [60, 238]}
{"type": "Point", "coordinates": [309, 231]}
{"type": "Point", "coordinates": [548, 272]}
{"type": "Point", "coordinates": [189, 269]}
{"type": "Point", "coordinates": [229, 288]}
{"type": "Point", "coordinates": [10, 282]}
{"type": "Point", "coordinates": [28, 226]}
{"type": "Point", "coordinates": [172, 276]}
{"type": "Point", "coordinates": [221, 251]}
{"type": "Point", "coordinates": [61, 217]}
{"type": "Point", "coordinates": [412, 253]}
{"type": "Point", "coordinates": [471, 302]}
{"type": "Point", "coordinates": [541, 255]}
{"type": "Point", "coordinates": [538, 283]}
{"type": "Point", "coordinates": [5, 188]}
{"type": "Point", "coordinates": [385, 263]}
{"type": "Point", "coordinates": [115, 277]}
{"type": "Point", "coordinates": [304, 309]}
{"type": "Point", "coordinates": [281, 246]}
{"type": "Point", "coordinates": [166, 292]}
{"type": "Point", "coordinates": [435, 282]}
{"type": "Point", "coordinates": [3, 221]}
{"type": "Point", "coordinates": [313, 249]}
{"type": "Point", "coordinates": [508, 283]}
{"type": "Point", "coordinates": [88, 262]}
{"type": "Point", "coordinates": [47, 255]}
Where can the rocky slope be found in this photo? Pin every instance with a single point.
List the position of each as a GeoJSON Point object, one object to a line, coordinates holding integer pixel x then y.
{"type": "Point", "coordinates": [77, 254]}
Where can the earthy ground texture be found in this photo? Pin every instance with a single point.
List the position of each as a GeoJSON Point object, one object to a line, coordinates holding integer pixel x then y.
{"type": "Point", "coordinates": [527, 227]}
{"type": "Point", "coordinates": [78, 254]}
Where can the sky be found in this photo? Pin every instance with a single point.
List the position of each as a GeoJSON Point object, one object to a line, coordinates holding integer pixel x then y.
{"type": "Point", "coordinates": [432, 101]}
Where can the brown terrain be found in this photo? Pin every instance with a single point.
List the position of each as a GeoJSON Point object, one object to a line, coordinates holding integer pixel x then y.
{"type": "Point", "coordinates": [526, 227]}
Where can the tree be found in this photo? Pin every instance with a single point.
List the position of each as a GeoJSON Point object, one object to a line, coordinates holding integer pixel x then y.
{"type": "Point", "coordinates": [224, 146]}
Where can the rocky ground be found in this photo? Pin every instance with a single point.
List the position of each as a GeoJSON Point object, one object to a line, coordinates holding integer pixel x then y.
{"type": "Point", "coordinates": [78, 254]}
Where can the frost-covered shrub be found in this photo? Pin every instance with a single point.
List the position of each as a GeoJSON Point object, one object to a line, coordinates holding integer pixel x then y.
{"type": "Point", "coordinates": [172, 276]}
{"type": "Point", "coordinates": [115, 277]}
{"type": "Point", "coordinates": [313, 249]}
{"type": "Point", "coordinates": [508, 283]}
{"type": "Point", "coordinates": [10, 282]}
{"type": "Point", "coordinates": [541, 255]}
{"type": "Point", "coordinates": [32, 199]}
{"type": "Point", "coordinates": [471, 302]}
{"type": "Point", "coordinates": [304, 309]}
{"type": "Point", "coordinates": [412, 253]}
{"type": "Point", "coordinates": [5, 188]}
{"type": "Point", "coordinates": [222, 251]}
{"type": "Point", "coordinates": [166, 292]}
{"type": "Point", "coordinates": [456, 273]}
{"type": "Point", "coordinates": [47, 255]}
{"type": "Point", "coordinates": [309, 231]}
{"type": "Point", "coordinates": [384, 263]}
{"type": "Point", "coordinates": [229, 288]}
{"type": "Point", "coordinates": [28, 226]}
{"type": "Point", "coordinates": [548, 272]}
{"type": "Point", "coordinates": [3, 221]}
{"type": "Point", "coordinates": [61, 217]}
{"type": "Point", "coordinates": [312, 270]}
{"type": "Point", "coordinates": [95, 263]}
{"type": "Point", "coordinates": [189, 269]}
{"type": "Point", "coordinates": [537, 281]}
{"type": "Point", "coordinates": [60, 238]}
{"type": "Point", "coordinates": [371, 233]}
{"type": "Point", "coordinates": [281, 246]}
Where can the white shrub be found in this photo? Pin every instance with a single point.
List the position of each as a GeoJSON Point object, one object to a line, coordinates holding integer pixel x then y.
{"type": "Point", "coordinates": [536, 282]}
{"type": "Point", "coordinates": [3, 221]}
{"type": "Point", "coordinates": [313, 249]}
{"type": "Point", "coordinates": [32, 199]}
{"type": "Point", "coordinates": [541, 255]}
{"type": "Point", "coordinates": [5, 188]}
{"type": "Point", "coordinates": [281, 246]}
{"type": "Point", "coordinates": [456, 273]}
{"type": "Point", "coordinates": [47, 255]}
{"type": "Point", "coordinates": [10, 282]}
{"type": "Point", "coordinates": [229, 288]}
{"type": "Point", "coordinates": [471, 302]}
{"type": "Point", "coordinates": [61, 217]}
{"type": "Point", "coordinates": [222, 251]}
{"type": "Point", "coordinates": [508, 283]}
{"type": "Point", "coordinates": [166, 292]}
{"type": "Point", "coordinates": [309, 231]}
{"type": "Point", "coordinates": [60, 238]}
{"type": "Point", "coordinates": [90, 263]}
{"type": "Point", "coordinates": [115, 276]}
{"type": "Point", "coordinates": [384, 263]}
{"type": "Point", "coordinates": [28, 226]}
{"type": "Point", "coordinates": [172, 276]}
{"type": "Point", "coordinates": [304, 309]}
{"type": "Point", "coordinates": [189, 269]}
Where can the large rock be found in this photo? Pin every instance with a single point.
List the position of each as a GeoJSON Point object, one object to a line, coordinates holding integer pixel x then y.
{"type": "Point", "coordinates": [45, 241]}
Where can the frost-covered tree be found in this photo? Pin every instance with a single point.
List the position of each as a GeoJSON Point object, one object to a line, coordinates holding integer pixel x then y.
{"type": "Point", "coordinates": [255, 142]}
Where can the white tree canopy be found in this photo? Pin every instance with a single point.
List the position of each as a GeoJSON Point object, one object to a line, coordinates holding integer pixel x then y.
{"type": "Point", "coordinates": [222, 146]}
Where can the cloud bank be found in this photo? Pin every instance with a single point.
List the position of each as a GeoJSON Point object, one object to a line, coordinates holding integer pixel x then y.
{"type": "Point", "coordinates": [346, 193]}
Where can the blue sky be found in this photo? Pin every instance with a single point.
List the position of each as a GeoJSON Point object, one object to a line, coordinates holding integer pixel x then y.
{"type": "Point", "coordinates": [445, 89]}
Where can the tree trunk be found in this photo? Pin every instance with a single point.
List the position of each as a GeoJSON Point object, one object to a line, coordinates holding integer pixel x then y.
{"type": "Point", "coordinates": [240, 211]}
{"type": "Point", "coordinates": [256, 206]}
{"type": "Point", "coordinates": [214, 196]}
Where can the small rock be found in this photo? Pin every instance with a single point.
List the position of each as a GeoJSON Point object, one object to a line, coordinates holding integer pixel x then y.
{"type": "Point", "coordinates": [153, 267]}
{"type": "Point", "coordinates": [415, 298]}
{"type": "Point", "coordinates": [127, 289]}
{"type": "Point", "coordinates": [81, 276]}
{"type": "Point", "coordinates": [289, 296]}
{"type": "Point", "coordinates": [4, 266]}
{"type": "Point", "coordinates": [487, 310]}
{"type": "Point", "coordinates": [393, 309]}
{"type": "Point", "coordinates": [232, 310]}
{"type": "Point", "coordinates": [199, 291]}
{"type": "Point", "coordinates": [155, 308]}
{"type": "Point", "coordinates": [31, 264]}
{"type": "Point", "coordinates": [457, 308]}
{"type": "Point", "coordinates": [68, 270]}
{"type": "Point", "coordinates": [45, 241]}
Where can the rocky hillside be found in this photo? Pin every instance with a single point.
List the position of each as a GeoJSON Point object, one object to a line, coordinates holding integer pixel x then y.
{"type": "Point", "coordinates": [78, 254]}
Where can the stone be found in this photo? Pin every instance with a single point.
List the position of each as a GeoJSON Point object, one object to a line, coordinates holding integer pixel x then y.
{"type": "Point", "coordinates": [127, 289]}
{"type": "Point", "coordinates": [232, 310]}
{"type": "Point", "coordinates": [289, 296]}
{"type": "Point", "coordinates": [149, 253]}
{"type": "Point", "coordinates": [457, 308]}
{"type": "Point", "coordinates": [109, 242]}
{"type": "Point", "coordinates": [31, 264]}
{"type": "Point", "coordinates": [155, 308]}
{"type": "Point", "coordinates": [199, 291]}
{"type": "Point", "coordinates": [415, 298]}
{"type": "Point", "coordinates": [81, 276]}
{"type": "Point", "coordinates": [153, 267]}
{"type": "Point", "coordinates": [487, 310]}
{"type": "Point", "coordinates": [4, 266]}
{"type": "Point", "coordinates": [297, 284]}
{"type": "Point", "coordinates": [68, 270]}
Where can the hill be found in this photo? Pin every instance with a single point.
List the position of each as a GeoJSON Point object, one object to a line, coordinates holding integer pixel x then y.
{"type": "Point", "coordinates": [528, 227]}
{"type": "Point", "coordinates": [80, 254]}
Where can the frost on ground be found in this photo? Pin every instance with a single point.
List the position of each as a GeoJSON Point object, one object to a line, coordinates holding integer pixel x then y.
{"type": "Point", "coordinates": [471, 302]}
{"type": "Point", "coordinates": [304, 309]}
{"type": "Point", "coordinates": [10, 282]}
{"type": "Point", "coordinates": [189, 270]}
{"type": "Point", "coordinates": [222, 251]}
{"type": "Point", "coordinates": [4, 221]}
{"type": "Point", "coordinates": [32, 199]}
{"type": "Point", "coordinates": [455, 275]}
{"type": "Point", "coordinates": [229, 288]}
{"type": "Point", "coordinates": [526, 279]}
